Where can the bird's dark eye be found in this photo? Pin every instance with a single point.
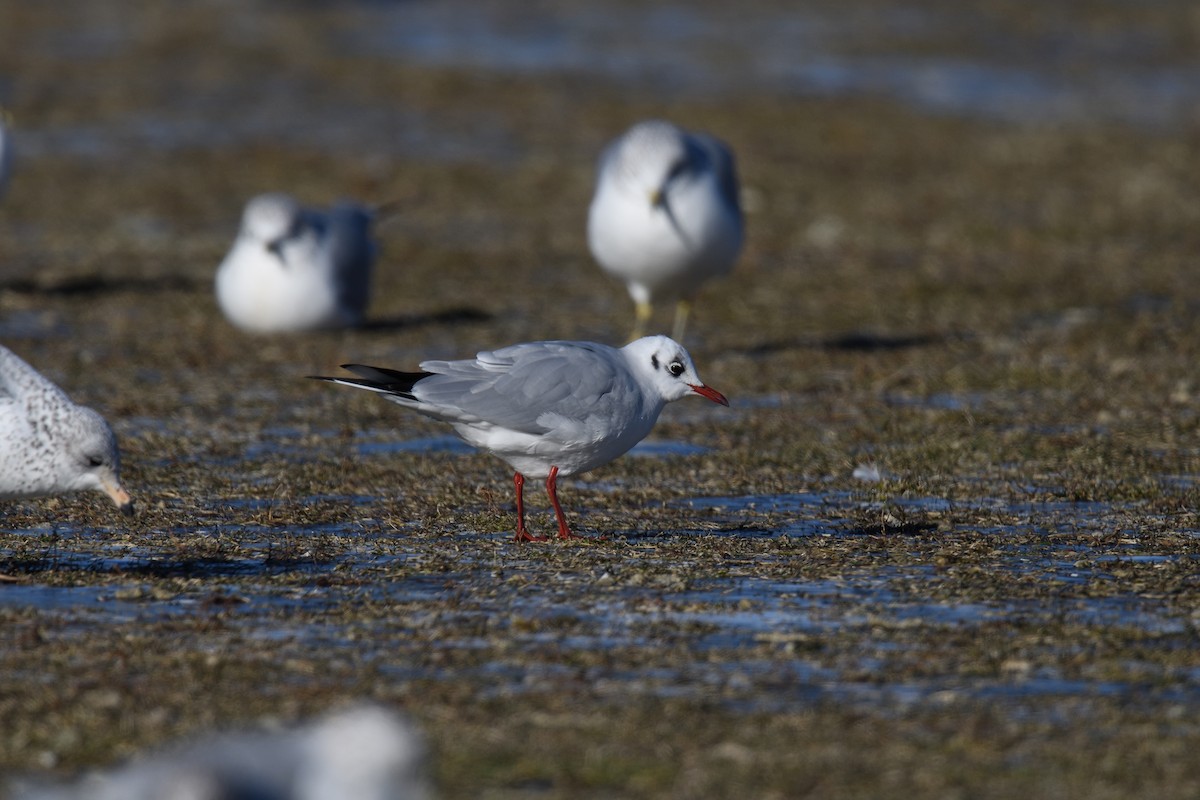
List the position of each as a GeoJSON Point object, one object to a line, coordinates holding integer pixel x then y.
{"type": "Point", "coordinates": [675, 368]}
{"type": "Point", "coordinates": [95, 461]}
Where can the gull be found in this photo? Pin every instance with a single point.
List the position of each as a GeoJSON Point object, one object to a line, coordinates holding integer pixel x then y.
{"type": "Point", "coordinates": [5, 154]}
{"type": "Point", "coordinates": [546, 408]}
{"type": "Point", "coordinates": [366, 753]}
{"type": "Point", "coordinates": [295, 269]}
{"type": "Point", "coordinates": [665, 216]}
{"type": "Point", "coordinates": [48, 444]}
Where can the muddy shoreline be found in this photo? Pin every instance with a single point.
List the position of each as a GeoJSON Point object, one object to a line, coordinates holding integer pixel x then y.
{"type": "Point", "coordinates": [993, 320]}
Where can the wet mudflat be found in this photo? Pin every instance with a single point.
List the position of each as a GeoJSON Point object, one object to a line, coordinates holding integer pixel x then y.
{"type": "Point", "coordinates": [943, 544]}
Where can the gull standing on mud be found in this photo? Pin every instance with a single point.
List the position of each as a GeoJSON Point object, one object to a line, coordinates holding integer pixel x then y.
{"type": "Point", "coordinates": [49, 445]}
{"type": "Point", "coordinates": [665, 216]}
{"type": "Point", "coordinates": [296, 269]}
{"type": "Point", "coordinates": [547, 408]}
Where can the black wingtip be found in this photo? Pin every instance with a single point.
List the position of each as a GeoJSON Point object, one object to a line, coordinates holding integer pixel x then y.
{"type": "Point", "coordinates": [378, 379]}
{"type": "Point", "coordinates": [388, 380]}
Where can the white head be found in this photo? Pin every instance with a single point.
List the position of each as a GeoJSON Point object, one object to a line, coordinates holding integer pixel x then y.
{"type": "Point", "coordinates": [271, 218]}
{"type": "Point", "coordinates": [662, 363]}
{"type": "Point", "coordinates": [367, 754]}
{"type": "Point", "coordinates": [88, 459]}
{"type": "Point", "coordinates": [649, 156]}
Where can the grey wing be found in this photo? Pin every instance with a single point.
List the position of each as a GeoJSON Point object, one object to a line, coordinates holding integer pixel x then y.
{"type": "Point", "coordinates": [5, 158]}
{"type": "Point", "coordinates": [9, 371]}
{"type": "Point", "coordinates": [608, 156]}
{"type": "Point", "coordinates": [352, 252]}
{"type": "Point", "coordinates": [18, 379]}
{"type": "Point", "coordinates": [523, 387]}
{"type": "Point", "coordinates": [721, 157]}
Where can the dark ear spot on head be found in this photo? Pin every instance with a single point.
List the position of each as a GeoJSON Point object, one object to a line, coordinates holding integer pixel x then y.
{"type": "Point", "coordinates": [654, 361]}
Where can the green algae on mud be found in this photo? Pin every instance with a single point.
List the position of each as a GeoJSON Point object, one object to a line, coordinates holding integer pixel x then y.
{"type": "Point", "coordinates": [998, 317]}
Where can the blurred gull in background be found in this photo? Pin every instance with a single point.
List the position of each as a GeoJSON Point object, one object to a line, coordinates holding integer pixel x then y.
{"type": "Point", "coordinates": [665, 216]}
{"type": "Point", "coordinates": [361, 754]}
{"type": "Point", "coordinates": [296, 269]}
{"type": "Point", "coordinates": [5, 153]}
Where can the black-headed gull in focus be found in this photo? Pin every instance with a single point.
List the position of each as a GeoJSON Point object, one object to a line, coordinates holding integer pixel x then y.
{"type": "Point", "coordinates": [295, 269]}
{"type": "Point", "coordinates": [48, 444]}
{"type": "Point", "coordinates": [665, 216]}
{"type": "Point", "coordinates": [547, 408]}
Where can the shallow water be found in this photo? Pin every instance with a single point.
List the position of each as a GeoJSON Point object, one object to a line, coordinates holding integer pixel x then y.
{"type": "Point", "coordinates": [986, 71]}
{"type": "Point", "coordinates": [739, 614]}
{"type": "Point", "coordinates": [679, 48]}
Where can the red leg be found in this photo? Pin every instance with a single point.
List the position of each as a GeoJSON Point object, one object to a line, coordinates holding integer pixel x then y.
{"type": "Point", "coordinates": [523, 534]}
{"type": "Point", "coordinates": [564, 532]}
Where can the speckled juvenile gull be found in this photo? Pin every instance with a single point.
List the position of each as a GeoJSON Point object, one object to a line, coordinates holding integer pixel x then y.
{"type": "Point", "coordinates": [665, 216]}
{"type": "Point", "coordinates": [294, 269]}
{"type": "Point", "coordinates": [49, 445]}
{"type": "Point", "coordinates": [547, 408]}
{"type": "Point", "coordinates": [362, 754]}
